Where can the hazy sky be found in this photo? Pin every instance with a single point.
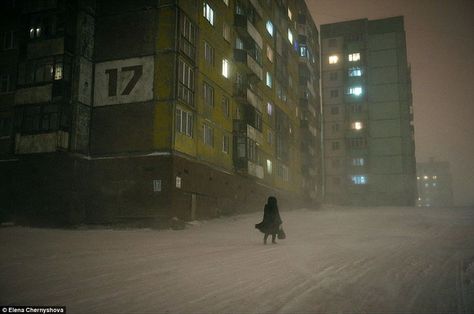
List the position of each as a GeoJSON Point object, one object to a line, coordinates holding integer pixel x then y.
{"type": "Point", "coordinates": [440, 44]}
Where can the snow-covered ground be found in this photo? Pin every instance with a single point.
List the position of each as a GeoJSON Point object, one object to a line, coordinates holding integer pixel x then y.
{"type": "Point", "coordinates": [335, 260]}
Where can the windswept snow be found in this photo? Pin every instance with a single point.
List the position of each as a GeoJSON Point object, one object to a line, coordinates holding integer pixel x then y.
{"type": "Point", "coordinates": [336, 260]}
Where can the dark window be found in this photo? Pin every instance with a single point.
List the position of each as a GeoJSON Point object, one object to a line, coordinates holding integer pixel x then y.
{"type": "Point", "coordinates": [334, 110]}
{"type": "Point", "coordinates": [5, 126]}
{"type": "Point", "coordinates": [38, 118]}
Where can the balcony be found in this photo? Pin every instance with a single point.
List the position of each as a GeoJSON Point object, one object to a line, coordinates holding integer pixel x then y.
{"type": "Point", "coordinates": [255, 69]}
{"type": "Point", "coordinates": [246, 29]}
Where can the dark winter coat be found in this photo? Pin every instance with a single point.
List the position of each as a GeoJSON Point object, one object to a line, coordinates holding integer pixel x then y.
{"type": "Point", "coordinates": [271, 218]}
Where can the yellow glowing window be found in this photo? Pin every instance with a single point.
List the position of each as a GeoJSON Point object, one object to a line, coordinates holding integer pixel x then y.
{"type": "Point", "coordinates": [225, 68]}
{"type": "Point", "coordinates": [357, 125]}
{"type": "Point", "coordinates": [354, 57]}
{"type": "Point", "coordinates": [333, 59]}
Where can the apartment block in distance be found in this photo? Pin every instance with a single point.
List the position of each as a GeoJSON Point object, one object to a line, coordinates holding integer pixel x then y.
{"type": "Point", "coordinates": [146, 110]}
{"type": "Point", "coordinates": [369, 156]}
{"type": "Point", "coordinates": [434, 184]}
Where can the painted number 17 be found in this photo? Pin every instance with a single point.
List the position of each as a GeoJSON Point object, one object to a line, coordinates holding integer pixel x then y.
{"type": "Point", "coordinates": [113, 78]}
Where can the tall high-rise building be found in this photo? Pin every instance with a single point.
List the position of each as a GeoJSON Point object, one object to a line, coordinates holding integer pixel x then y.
{"type": "Point", "coordinates": [368, 130]}
{"type": "Point", "coordinates": [151, 109]}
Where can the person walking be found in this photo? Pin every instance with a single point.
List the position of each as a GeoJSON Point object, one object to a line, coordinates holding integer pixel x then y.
{"type": "Point", "coordinates": [271, 220]}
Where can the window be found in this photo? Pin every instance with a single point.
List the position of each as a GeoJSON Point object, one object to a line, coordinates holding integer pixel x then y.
{"type": "Point", "coordinates": [332, 42]}
{"type": "Point", "coordinates": [35, 32]}
{"type": "Point", "coordinates": [290, 36]}
{"type": "Point", "coordinates": [251, 149]}
{"type": "Point", "coordinates": [43, 70]}
{"type": "Point", "coordinates": [208, 13]}
{"type": "Point", "coordinates": [270, 54]}
{"type": "Point", "coordinates": [258, 121]}
{"type": "Point", "coordinates": [225, 144]}
{"type": "Point", "coordinates": [335, 145]}
{"type": "Point", "coordinates": [333, 76]}
{"type": "Point", "coordinates": [303, 51]}
{"type": "Point", "coordinates": [334, 93]}
{"type": "Point", "coordinates": [335, 127]}
{"type": "Point", "coordinates": [184, 122]}
{"type": "Point", "coordinates": [186, 83]}
{"type": "Point", "coordinates": [333, 59]}
{"type": "Point", "coordinates": [357, 125]}
{"type": "Point", "coordinates": [334, 110]}
{"type": "Point", "coordinates": [336, 181]}
{"type": "Point", "coordinates": [354, 57]}
{"type": "Point", "coordinates": [226, 2]}
{"type": "Point", "coordinates": [269, 108]}
{"type": "Point", "coordinates": [354, 71]}
{"type": "Point", "coordinates": [358, 161]}
{"type": "Point", "coordinates": [225, 68]}
{"type": "Point", "coordinates": [208, 95]}
{"type": "Point", "coordinates": [226, 31]}
{"type": "Point", "coordinates": [269, 166]}
{"type": "Point", "coordinates": [335, 163]}
{"type": "Point", "coordinates": [269, 27]}
{"type": "Point", "coordinates": [39, 118]}
{"type": "Point", "coordinates": [356, 108]}
{"type": "Point", "coordinates": [5, 84]}
{"type": "Point", "coordinates": [208, 135]}
{"type": "Point", "coordinates": [225, 106]}
{"type": "Point", "coordinates": [357, 142]}
{"type": "Point", "coordinates": [290, 15]}
{"type": "Point", "coordinates": [268, 80]}
{"type": "Point", "coordinates": [208, 53]}
{"type": "Point", "coordinates": [270, 137]}
{"type": "Point", "coordinates": [7, 40]}
{"type": "Point", "coordinates": [5, 126]}
{"type": "Point", "coordinates": [188, 37]}
{"type": "Point", "coordinates": [282, 171]}
{"type": "Point", "coordinates": [359, 179]}
{"type": "Point", "coordinates": [357, 91]}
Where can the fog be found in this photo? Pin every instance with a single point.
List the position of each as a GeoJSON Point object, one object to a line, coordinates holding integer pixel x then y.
{"type": "Point", "coordinates": [334, 260]}
{"type": "Point", "coordinates": [440, 47]}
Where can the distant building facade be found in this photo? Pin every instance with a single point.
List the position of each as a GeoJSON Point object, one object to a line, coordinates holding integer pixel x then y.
{"type": "Point", "coordinates": [369, 155]}
{"type": "Point", "coordinates": [434, 184]}
{"type": "Point", "coordinates": [151, 109]}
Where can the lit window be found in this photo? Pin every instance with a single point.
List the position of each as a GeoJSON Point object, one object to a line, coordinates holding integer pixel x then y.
{"type": "Point", "coordinates": [208, 13]}
{"type": "Point", "coordinates": [357, 125]}
{"type": "Point", "coordinates": [35, 32]}
{"type": "Point", "coordinates": [290, 36]}
{"type": "Point", "coordinates": [269, 166]}
{"type": "Point", "coordinates": [418, 178]}
{"type": "Point", "coordinates": [225, 68]}
{"type": "Point", "coordinates": [355, 71]}
{"type": "Point", "coordinates": [357, 91]}
{"type": "Point", "coordinates": [359, 179]}
{"type": "Point", "coordinates": [268, 80]}
{"type": "Point", "coordinates": [270, 53]}
{"type": "Point", "coordinates": [269, 26]}
{"type": "Point", "coordinates": [435, 177]}
{"type": "Point", "coordinates": [358, 161]}
{"type": "Point", "coordinates": [290, 15]}
{"type": "Point", "coordinates": [333, 59]}
{"type": "Point", "coordinates": [226, 2]}
{"type": "Point", "coordinates": [303, 51]}
{"type": "Point", "coordinates": [225, 144]}
{"type": "Point", "coordinates": [208, 135]}
{"type": "Point", "coordinates": [354, 57]}
{"type": "Point", "coordinates": [425, 177]}
{"type": "Point", "coordinates": [269, 108]}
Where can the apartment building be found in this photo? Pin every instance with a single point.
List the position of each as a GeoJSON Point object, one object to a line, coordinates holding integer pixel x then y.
{"type": "Point", "coordinates": [434, 184]}
{"type": "Point", "coordinates": [123, 110]}
{"type": "Point", "coordinates": [369, 153]}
